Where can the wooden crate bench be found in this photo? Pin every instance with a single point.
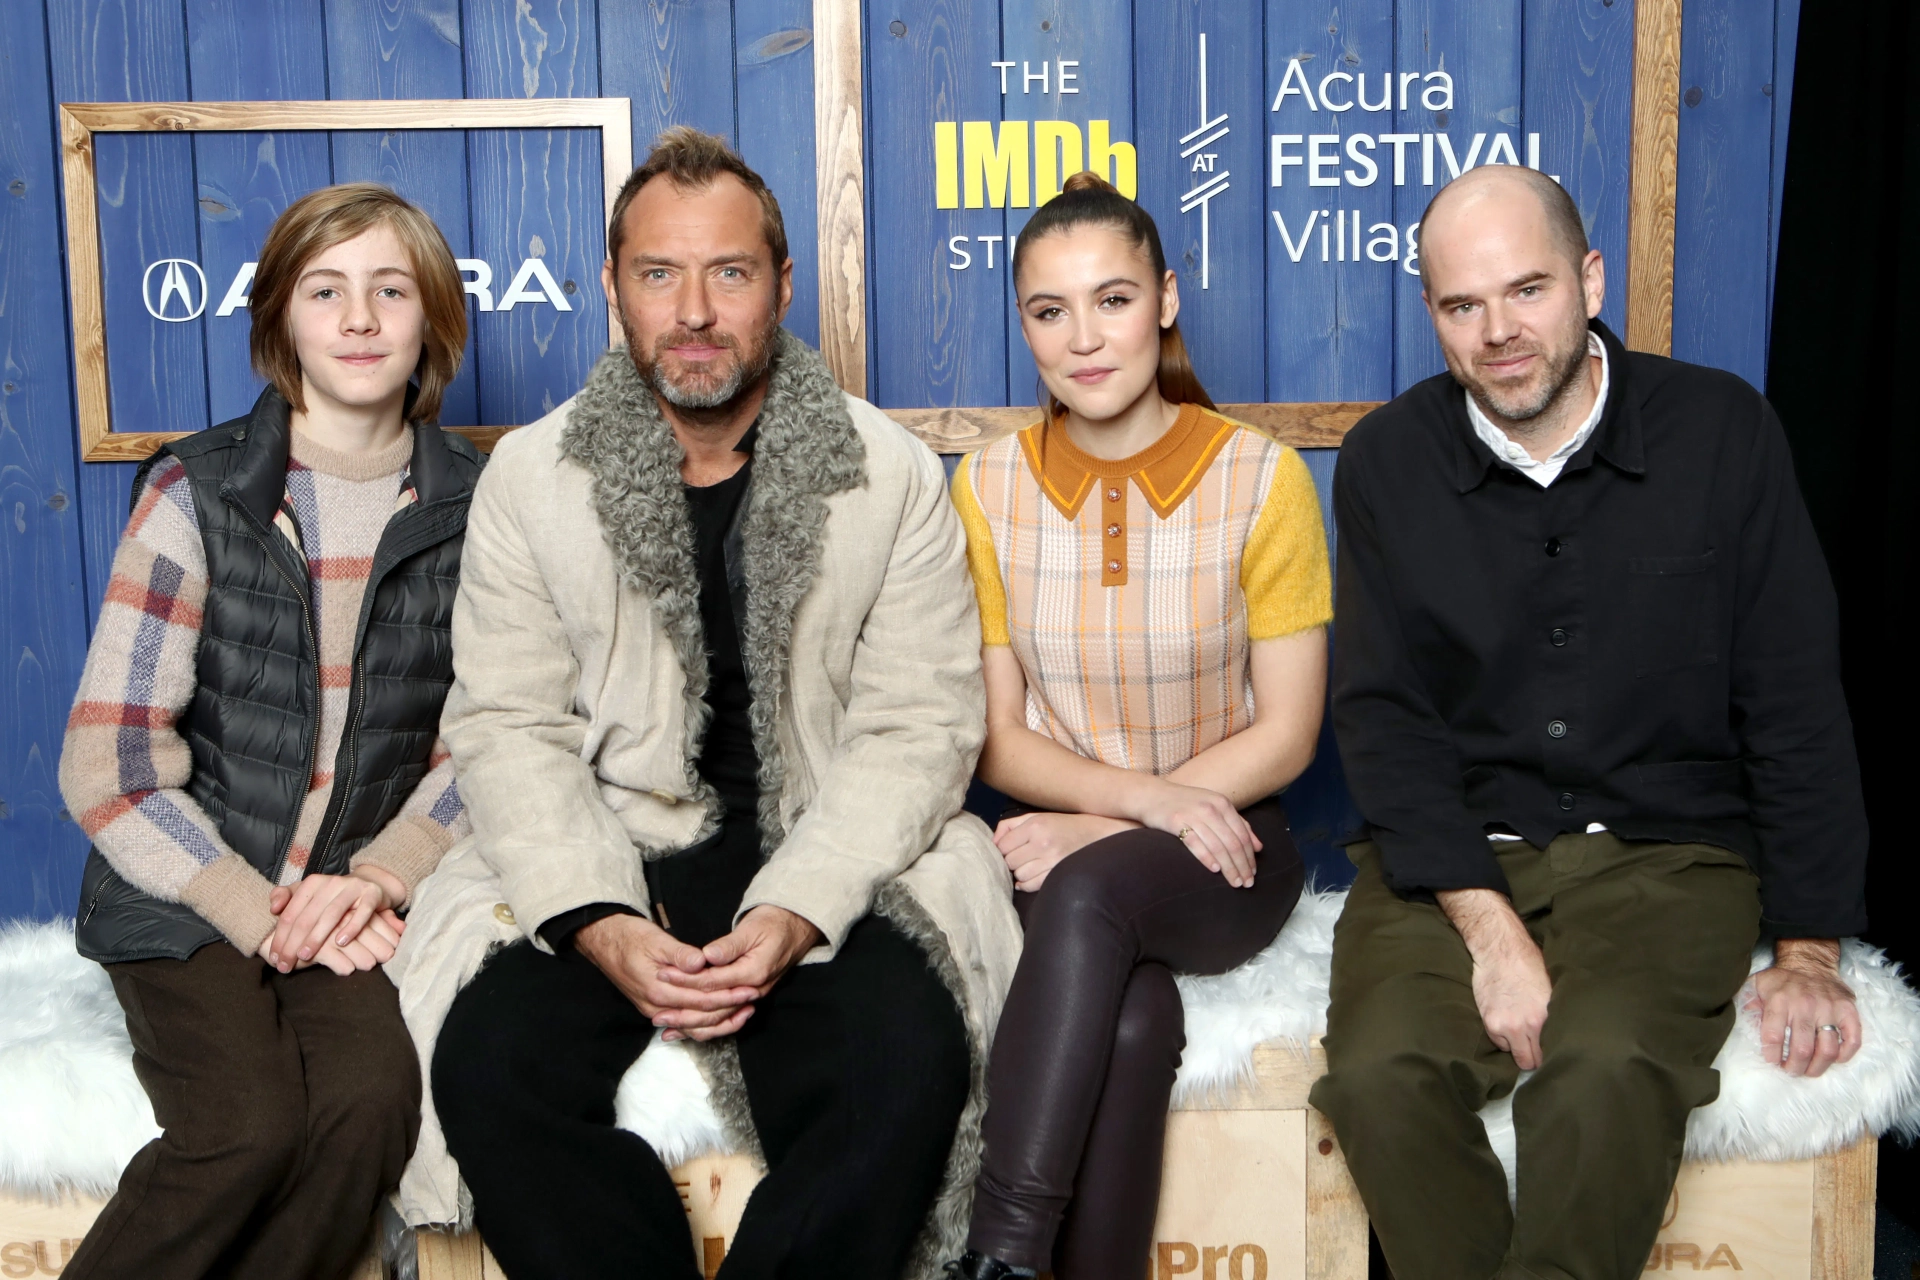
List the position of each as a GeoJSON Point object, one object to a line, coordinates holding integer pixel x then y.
{"type": "Point", "coordinates": [1256, 1188]}
{"type": "Point", "coordinates": [37, 1236]}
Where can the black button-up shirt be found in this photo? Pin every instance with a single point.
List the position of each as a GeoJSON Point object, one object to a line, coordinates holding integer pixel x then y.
{"type": "Point", "coordinates": [1649, 643]}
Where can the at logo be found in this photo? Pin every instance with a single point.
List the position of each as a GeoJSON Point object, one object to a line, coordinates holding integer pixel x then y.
{"type": "Point", "coordinates": [180, 294]}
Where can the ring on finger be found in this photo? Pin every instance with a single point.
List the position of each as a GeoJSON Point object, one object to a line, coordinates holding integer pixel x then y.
{"type": "Point", "coordinates": [1833, 1027]}
{"type": "Point", "coordinates": [1184, 833]}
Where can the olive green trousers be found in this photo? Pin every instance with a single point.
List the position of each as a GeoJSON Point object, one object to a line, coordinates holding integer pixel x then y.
{"type": "Point", "coordinates": [1646, 944]}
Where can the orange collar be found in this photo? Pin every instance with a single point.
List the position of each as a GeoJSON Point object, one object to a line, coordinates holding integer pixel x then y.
{"type": "Point", "coordinates": [1165, 472]}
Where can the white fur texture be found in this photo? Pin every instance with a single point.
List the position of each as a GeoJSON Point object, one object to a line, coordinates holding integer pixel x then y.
{"type": "Point", "coordinates": [1763, 1113]}
{"type": "Point", "coordinates": [1280, 994]}
{"type": "Point", "coordinates": [71, 1112]}
{"type": "Point", "coordinates": [663, 1098]}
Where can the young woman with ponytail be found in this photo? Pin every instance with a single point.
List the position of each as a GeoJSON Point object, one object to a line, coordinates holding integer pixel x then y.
{"type": "Point", "coordinates": [1154, 595]}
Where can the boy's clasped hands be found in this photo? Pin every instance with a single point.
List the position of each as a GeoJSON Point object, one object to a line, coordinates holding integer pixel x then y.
{"type": "Point", "coordinates": [347, 923]}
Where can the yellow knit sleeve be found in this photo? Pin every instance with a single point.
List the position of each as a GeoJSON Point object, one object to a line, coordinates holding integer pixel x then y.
{"type": "Point", "coordinates": [981, 560]}
{"type": "Point", "coordinates": [1283, 569]}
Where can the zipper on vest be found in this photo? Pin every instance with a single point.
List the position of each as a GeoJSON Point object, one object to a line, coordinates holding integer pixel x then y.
{"type": "Point", "coordinates": [343, 779]}
{"type": "Point", "coordinates": [401, 550]}
{"type": "Point", "coordinates": [313, 648]}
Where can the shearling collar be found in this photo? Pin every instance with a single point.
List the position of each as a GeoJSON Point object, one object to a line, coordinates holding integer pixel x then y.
{"type": "Point", "coordinates": [807, 450]}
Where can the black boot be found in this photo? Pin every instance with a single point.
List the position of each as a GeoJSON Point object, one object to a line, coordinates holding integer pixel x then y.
{"type": "Point", "coordinates": [976, 1266]}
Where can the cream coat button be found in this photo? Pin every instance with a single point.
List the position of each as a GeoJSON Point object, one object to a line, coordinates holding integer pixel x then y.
{"type": "Point", "coordinates": [665, 797]}
{"type": "Point", "coordinates": [503, 913]}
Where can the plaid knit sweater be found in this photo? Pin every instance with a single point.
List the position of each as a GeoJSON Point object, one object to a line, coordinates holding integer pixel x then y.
{"type": "Point", "coordinates": [1130, 589]}
{"type": "Point", "coordinates": [125, 765]}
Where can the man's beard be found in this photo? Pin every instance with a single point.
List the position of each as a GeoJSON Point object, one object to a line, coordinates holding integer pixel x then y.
{"type": "Point", "coordinates": [698, 389]}
{"type": "Point", "coordinates": [1524, 403]}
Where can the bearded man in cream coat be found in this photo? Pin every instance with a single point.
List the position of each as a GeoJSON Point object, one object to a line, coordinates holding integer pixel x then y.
{"type": "Point", "coordinates": [717, 699]}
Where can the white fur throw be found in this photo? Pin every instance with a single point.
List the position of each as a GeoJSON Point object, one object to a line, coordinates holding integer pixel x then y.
{"type": "Point", "coordinates": [72, 1113]}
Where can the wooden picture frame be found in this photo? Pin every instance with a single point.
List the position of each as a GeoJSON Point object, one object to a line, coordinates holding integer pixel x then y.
{"type": "Point", "coordinates": [79, 121]}
{"type": "Point", "coordinates": [838, 95]}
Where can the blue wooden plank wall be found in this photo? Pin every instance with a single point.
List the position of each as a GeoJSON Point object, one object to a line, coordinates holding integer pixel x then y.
{"type": "Point", "coordinates": [1298, 308]}
{"type": "Point", "coordinates": [742, 68]}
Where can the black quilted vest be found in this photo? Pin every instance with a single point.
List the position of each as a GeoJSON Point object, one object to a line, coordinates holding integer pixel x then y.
{"type": "Point", "coordinates": [255, 714]}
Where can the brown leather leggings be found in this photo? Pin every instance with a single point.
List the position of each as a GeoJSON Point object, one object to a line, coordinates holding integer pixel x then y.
{"type": "Point", "coordinates": [1085, 1055]}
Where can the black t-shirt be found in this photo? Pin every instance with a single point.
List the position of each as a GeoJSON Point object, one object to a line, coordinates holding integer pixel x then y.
{"type": "Point", "coordinates": [727, 758]}
{"type": "Point", "coordinates": [696, 892]}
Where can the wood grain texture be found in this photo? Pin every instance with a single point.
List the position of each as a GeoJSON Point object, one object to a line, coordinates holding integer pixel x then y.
{"type": "Point", "coordinates": [1739, 1215]}
{"type": "Point", "coordinates": [130, 51]}
{"type": "Point", "coordinates": [562, 112]}
{"type": "Point", "coordinates": [773, 119]}
{"type": "Point", "coordinates": [43, 620]}
{"type": "Point", "coordinates": [674, 59]}
{"type": "Point", "coordinates": [50, 1231]}
{"type": "Point", "coordinates": [1723, 188]}
{"type": "Point", "coordinates": [1336, 1218]}
{"type": "Point", "coordinates": [840, 184]}
{"type": "Point", "coordinates": [1845, 1187]}
{"type": "Point", "coordinates": [1579, 99]}
{"type": "Point", "coordinates": [262, 52]}
{"type": "Point", "coordinates": [1282, 1074]}
{"type": "Point", "coordinates": [77, 161]}
{"type": "Point", "coordinates": [446, 1255]}
{"type": "Point", "coordinates": [1304, 426]}
{"type": "Point", "coordinates": [1098, 34]}
{"type": "Point", "coordinates": [585, 159]}
{"type": "Point", "coordinates": [1656, 152]}
{"type": "Point", "coordinates": [1329, 323]}
{"type": "Point", "coordinates": [939, 334]}
{"type": "Point", "coordinates": [1233, 1183]}
{"type": "Point", "coordinates": [399, 49]}
{"type": "Point", "coordinates": [1224, 324]}
{"type": "Point", "coordinates": [1479, 43]}
{"type": "Point", "coordinates": [533, 196]}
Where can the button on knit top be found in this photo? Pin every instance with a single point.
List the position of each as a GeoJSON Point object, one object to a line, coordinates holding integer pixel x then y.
{"type": "Point", "coordinates": [1130, 589]}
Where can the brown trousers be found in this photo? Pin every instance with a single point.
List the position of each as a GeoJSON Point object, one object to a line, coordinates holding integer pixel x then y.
{"type": "Point", "coordinates": [1646, 944]}
{"type": "Point", "coordinates": [289, 1103]}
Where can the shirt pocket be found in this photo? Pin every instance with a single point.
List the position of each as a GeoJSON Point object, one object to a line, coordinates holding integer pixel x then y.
{"type": "Point", "coordinates": [1672, 606]}
{"type": "Point", "coordinates": [1695, 790]}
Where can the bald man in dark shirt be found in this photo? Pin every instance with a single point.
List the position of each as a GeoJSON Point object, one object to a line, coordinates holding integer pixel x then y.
{"type": "Point", "coordinates": [1586, 687]}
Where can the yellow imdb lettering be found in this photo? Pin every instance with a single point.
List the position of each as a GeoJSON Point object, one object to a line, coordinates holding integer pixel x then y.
{"type": "Point", "coordinates": [21, 1258]}
{"type": "Point", "coordinates": [1208, 1262]}
{"type": "Point", "coordinates": [1681, 1256]}
{"type": "Point", "coordinates": [1017, 164]}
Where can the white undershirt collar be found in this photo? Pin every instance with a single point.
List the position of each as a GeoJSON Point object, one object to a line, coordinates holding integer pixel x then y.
{"type": "Point", "coordinates": [1542, 472]}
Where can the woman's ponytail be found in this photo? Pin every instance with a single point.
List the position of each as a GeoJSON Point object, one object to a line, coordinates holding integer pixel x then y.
{"type": "Point", "coordinates": [1087, 199]}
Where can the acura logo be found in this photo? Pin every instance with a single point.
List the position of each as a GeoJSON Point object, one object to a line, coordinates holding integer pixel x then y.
{"type": "Point", "coordinates": [175, 297]}
{"type": "Point", "coordinates": [175, 289]}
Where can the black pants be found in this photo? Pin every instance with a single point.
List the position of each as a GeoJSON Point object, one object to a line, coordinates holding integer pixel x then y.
{"type": "Point", "coordinates": [289, 1103]}
{"type": "Point", "coordinates": [856, 1073]}
{"type": "Point", "coordinates": [1085, 1056]}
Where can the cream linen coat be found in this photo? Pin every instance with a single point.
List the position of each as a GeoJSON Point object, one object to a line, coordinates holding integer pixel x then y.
{"type": "Point", "coordinates": [576, 704]}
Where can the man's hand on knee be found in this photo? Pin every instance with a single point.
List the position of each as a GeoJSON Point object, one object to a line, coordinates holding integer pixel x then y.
{"type": "Point", "coordinates": [766, 943]}
{"type": "Point", "coordinates": [1510, 983]}
{"type": "Point", "coordinates": [642, 959]}
{"type": "Point", "coordinates": [1808, 1020]}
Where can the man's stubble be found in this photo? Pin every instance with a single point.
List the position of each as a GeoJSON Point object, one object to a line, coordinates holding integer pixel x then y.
{"type": "Point", "coordinates": [750, 365]}
{"type": "Point", "coordinates": [1523, 407]}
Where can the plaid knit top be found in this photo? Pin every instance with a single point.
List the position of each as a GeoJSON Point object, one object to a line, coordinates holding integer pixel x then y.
{"type": "Point", "coordinates": [1131, 589]}
{"type": "Point", "coordinates": [124, 766]}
